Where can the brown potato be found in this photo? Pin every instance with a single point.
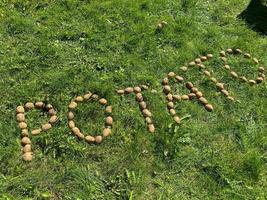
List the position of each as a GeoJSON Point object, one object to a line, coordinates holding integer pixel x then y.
{"type": "Point", "coordinates": [139, 97]}
{"type": "Point", "coordinates": [222, 54]}
{"type": "Point", "coordinates": [27, 148]}
{"type": "Point", "coordinates": [148, 120]}
{"type": "Point", "coordinates": [20, 109]}
{"type": "Point", "coordinates": [22, 125]}
{"type": "Point", "coordinates": [87, 96]}
{"type": "Point", "coordinates": [36, 131]}
{"type": "Point", "coordinates": [261, 69]}
{"type": "Point", "coordinates": [184, 68]}
{"type": "Point", "coordinates": [209, 56]}
{"type": "Point", "coordinates": [25, 133]}
{"type": "Point", "coordinates": [179, 78]}
{"type": "Point", "coordinates": [191, 64]}
{"type": "Point", "coordinates": [230, 51]}
{"type": "Point", "coordinates": [165, 81]}
{"type": "Point", "coordinates": [106, 132]}
{"type": "Point", "coordinates": [234, 74]}
{"type": "Point", "coordinates": [48, 107]}
{"type": "Point", "coordinates": [199, 94]}
{"type": "Point", "coordinates": [225, 92]}
{"type": "Point", "coordinates": [128, 90]}
{"type": "Point", "coordinates": [103, 101]}
{"type": "Point", "coordinates": [151, 128]}
{"type": "Point", "coordinates": [146, 113]}
{"type": "Point", "coordinates": [120, 92]}
{"type": "Point", "coordinates": [185, 97]}
{"type": "Point", "coordinates": [172, 112]}
{"type": "Point", "coordinates": [177, 119]}
{"type": "Point", "coordinates": [255, 60]}
{"type": "Point", "coordinates": [137, 89]}
{"type": "Point", "coordinates": [20, 117]}
{"type": "Point", "coordinates": [203, 58]}
{"type": "Point", "coordinates": [98, 139]}
{"type": "Point", "coordinates": [53, 119]}
{"type": "Point", "coordinates": [142, 105]}
{"type": "Point", "coordinates": [194, 90]}
{"type": "Point", "coordinates": [75, 130]}
{"type": "Point", "coordinates": [46, 127]}
{"type": "Point", "coordinates": [79, 99]}
{"type": "Point", "coordinates": [176, 97]}
{"type": "Point", "coordinates": [170, 105]}
{"type": "Point", "coordinates": [203, 100]}
{"type": "Point", "coordinates": [191, 95]}
{"type": "Point", "coordinates": [27, 156]}
{"type": "Point", "coordinates": [189, 85]}
{"type": "Point", "coordinates": [95, 97]}
{"type": "Point", "coordinates": [230, 98]}
{"type": "Point", "coordinates": [220, 86]}
{"type": "Point", "coordinates": [247, 55]}
{"type": "Point", "coordinates": [259, 79]}
{"type": "Point", "coordinates": [29, 105]}
{"type": "Point", "coordinates": [25, 140]}
{"type": "Point", "coordinates": [207, 73]}
{"type": "Point", "coordinates": [238, 51]}
{"type": "Point", "coordinates": [198, 60]}
{"type": "Point", "coordinates": [227, 67]}
{"type": "Point", "coordinates": [52, 111]}
{"type": "Point", "coordinates": [39, 105]}
{"type": "Point", "coordinates": [90, 139]}
{"type": "Point", "coordinates": [109, 120]}
{"type": "Point", "coordinates": [224, 59]}
{"type": "Point", "coordinates": [109, 109]}
{"type": "Point", "coordinates": [71, 124]}
{"type": "Point", "coordinates": [252, 82]}
{"type": "Point", "coordinates": [243, 78]}
{"type": "Point", "coordinates": [73, 105]}
{"type": "Point", "coordinates": [169, 97]}
{"type": "Point", "coordinates": [214, 80]}
{"type": "Point", "coordinates": [171, 74]}
{"type": "Point", "coordinates": [70, 115]}
{"type": "Point", "coordinates": [209, 107]}
{"type": "Point", "coordinates": [167, 89]}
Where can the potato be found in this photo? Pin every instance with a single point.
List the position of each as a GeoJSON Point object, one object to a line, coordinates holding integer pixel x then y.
{"type": "Point", "coordinates": [109, 109]}
{"type": "Point", "coordinates": [148, 120]}
{"type": "Point", "coordinates": [189, 85]}
{"type": "Point", "coordinates": [259, 79]}
{"type": "Point", "coordinates": [165, 81]}
{"type": "Point", "coordinates": [109, 121]}
{"type": "Point", "coordinates": [79, 135]}
{"type": "Point", "coordinates": [247, 55]}
{"type": "Point", "coordinates": [27, 156]}
{"type": "Point", "coordinates": [29, 105]}
{"type": "Point", "coordinates": [71, 124]}
{"type": "Point", "coordinates": [25, 132]}
{"type": "Point", "coordinates": [170, 105]}
{"type": "Point", "coordinates": [98, 139]}
{"type": "Point", "coordinates": [169, 97]}
{"type": "Point", "coordinates": [146, 113]}
{"type": "Point", "coordinates": [73, 105]}
{"type": "Point", "coordinates": [185, 97]}
{"type": "Point", "coordinates": [243, 78]}
{"type": "Point", "coordinates": [222, 54]}
{"type": "Point", "coordinates": [234, 74]}
{"type": "Point", "coordinates": [95, 97]}
{"type": "Point", "coordinates": [203, 58]}
{"type": "Point", "coordinates": [36, 131]}
{"type": "Point", "coordinates": [90, 139]}
{"type": "Point", "coordinates": [48, 106]}
{"type": "Point", "coordinates": [52, 111]}
{"type": "Point", "coordinates": [176, 97]}
{"type": "Point", "coordinates": [225, 92]}
{"type": "Point", "coordinates": [230, 51]}
{"type": "Point", "coordinates": [139, 97]}
{"type": "Point", "coordinates": [144, 87]}
{"type": "Point", "coordinates": [172, 112]}
{"type": "Point", "coordinates": [87, 96]}
{"type": "Point", "coordinates": [224, 59]}
{"type": "Point", "coordinates": [120, 92]}
{"type": "Point", "coordinates": [199, 94]}
{"type": "Point", "coordinates": [142, 105]}
{"type": "Point", "coordinates": [214, 80]}
{"type": "Point", "coordinates": [25, 140]}
{"type": "Point", "coordinates": [70, 115]}
{"type": "Point", "coordinates": [220, 86]}
{"type": "Point", "coordinates": [128, 90]}
{"type": "Point", "coordinates": [53, 119]}
{"type": "Point", "coordinates": [39, 105]}
{"type": "Point", "coordinates": [106, 132]}
{"type": "Point", "coordinates": [79, 99]}
{"type": "Point", "coordinates": [151, 128]}
{"type": "Point", "coordinates": [207, 73]}
{"type": "Point", "coordinates": [209, 56]}
{"type": "Point", "coordinates": [252, 82]}
{"type": "Point", "coordinates": [177, 119]}
{"type": "Point", "coordinates": [194, 90]}
{"type": "Point", "coordinates": [209, 107]}
{"type": "Point", "coordinates": [230, 98]}
{"type": "Point", "coordinates": [203, 100]}
{"type": "Point", "coordinates": [191, 64]}
{"type": "Point", "coordinates": [27, 148]}
{"type": "Point", "coordinates": [103, 101]}
{"type": "Point", "coordinates": [22, 125]}
{"type": "Point", "coordinates": [201, 66]}
{"type": "Point", "coordinates": [238, 51]}
{"type": "Point", "coordinates": [227, 67]}
{"type": "Point", "coordinates": [20, 109]}
{"type": "Point", "coordinates": [191, 95]}
{"type": "Point", "coordinates": [179, 78]}
{"type": "Point", "coordinates": [137, 89]}
{"type": "Point", "coordinates": [167, 89]}
{"type": "Point", "coordinates": [171, 74]}
{"type": "Point", "coordinates": [75, 130]}
{"type": "Point", "coordinates": [20, 117]}
{"type": "Point", "coordinates": [198, 60]}
{"type": "Point", "coordinates": [255, 60]}
{"type": "Point", "coordinates": [46, 127]}
{"type": "Point", "coordinates": [261, 69]}
{"type": "Point", "coordinates": [184, 68]}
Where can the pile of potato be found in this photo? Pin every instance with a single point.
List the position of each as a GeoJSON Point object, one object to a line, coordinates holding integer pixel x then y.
{"type": "Point", "coordinates": [108, 121]}
{"type": "Point", "coordinates": [21, 119]}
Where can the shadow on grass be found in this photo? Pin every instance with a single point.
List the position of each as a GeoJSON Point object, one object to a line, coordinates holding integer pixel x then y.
{"type": "Point", "coordinates": [255, 16]}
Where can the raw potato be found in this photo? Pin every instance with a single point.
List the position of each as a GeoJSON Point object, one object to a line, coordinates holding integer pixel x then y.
{"type": "Point", "coordinates": [234, 74]}
{"type": "Point", "coordinates": [194, 90]}
{"type": "Point", "coordinates": [148, 120]}
{"type": "Point", "coordinates": [169, 97]}
{"type": "Point", "coordinates": [98, 139]}
{"type": "Point", "coordinates": [199, 94]}
{"type": "Point", "coordinates": [139, 97]}
{"type": "Point", "coordinates": [230, 51]}
{"type": "Point", "coordinates": [36, 131]}
{"type": "Point", "coordinates": [184, 68]}
{"type": "Point", "coordinates": [144, 87]}
{"type": "Point", "coordinates": [46, 127]}
{"type": "Point", "coordinates": [224, 59]}
{"type": "Point", "coordinates": [203, 100]}
{"type": "Point", "coordinates": [25, 140]}
{"type": "Point", "coordinates": [256, 60]}
{"type": "Point", "coordinates": [70, 115]}
{"type": "Point", "coordinates": [179, 78]}
{"type": "Point", "coordinates": [128, 90]}
{"type": "Point", "coordinates": [197, 60]}
{"type": "Point", "coordinates": [109, 109]}
{"type": "Point", "coordinates": [189, 85]}
{"type": "Point", "coordinates": [192, 64]}
{"type": "Point", "coordinates": [151, 128]}
{"type": "Point", "coordinates": [20, 117]}
{"type": "Point", "coordinates": [176, 97]}
{"type": "Point", "coordinates": [79, 135]}
{"type": "Point", "coordinates": [71, 124]}
{"type": "Point", "coordinates": [76, 130]}
{"type": "Point", "coordinates": [261, 69]}
{"type": "Point", "coordinates": [203, 58]}
{"type": "Point", "coordinates": [172, 112]}
{"type": "Point", "coordinates": [109, 120]}
{"type": "Point", "coordinates": [95, 96]}
{"type": "Point", "coordinates": [259, 79]}
{"type": "Point", "coordinates": [142, 105]}
{"type": "Point", "coordinates": [27, 148]}
{"type": "Point", "coordinates": [225, 92]}
{"type": "Point", "coordinates": [147, 113]}
{"type": "Point", "coordinates": [48, 106]}
{"type": "Point", "coordinates": [27, 156]}
{"type": "Point", "coordinates": [243, 78]}
{"type": "Point", "coordinates": [247, 55]}
{"type": "Point", "coordinates": [52, 111]}
{"type": "Point", "coordinates": [227, 67]}
{"type": "Point", "coordinates": [207, 73]}
{"type": "Point", "coordinates": [165, 81]}
{"type": "Point", "coordinates": [103, 101]}
{"type": "Point", "coordinates": [167, 89]}
{"type": "Point", "coordinates": [106, 132]}
{"type": "Point", "coordinates": [222, 54]}
{"type": "Point", "coordinates": [209, 107]}
{"type": "Point", "coordinates": [90, 139]}
{"type": "Point", "coordinates": [79, 99]}
{"type": "Point", "coordinates": [25, 132]}
{"type": "Point", "coordinates": [220, 86]}
{"type": "Point", "coordinates": [170, 105]}
{"type": "Point", "coordinates": [185, 97]}
{"type": "Point", "coordinates": [252, 82]}
{"type": "Point", "coordinates": [29, 105]}
{"type": "Point", "coordinates": [39, 105]}
{"type": "Point", "coordinates": [214, 80]}
{"type": "Point", "coordinates": [191, 95]}
{"type": "Point", "coordinates": [120, 92]}
{"type": "Point", "coordinates": [230, 98]}
{"type": "Point", "coordinates": [238, 51]}
{"type": "Point", "coordinates": [137, 89]}
{"type": "Point", "coordinates": [177, 119]}
{"type": "Point", "coordinates": [171, 75]}
{"type": "Point", "coordinates": [72, 105]}
{"type": "Point", "coordinates": [20, 109]}
{"type": "Point", "coordinates": [87, 96]}
{"type": "Point", "coordinates": [209, 56]}
{"type": "Point", "coordinates": [53, 119]}
{"type": "Point", "coordinates": [22, 125]}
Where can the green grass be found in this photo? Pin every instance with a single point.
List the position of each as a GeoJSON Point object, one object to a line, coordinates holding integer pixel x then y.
{"type": "Point", "coordinates": [54, 50]}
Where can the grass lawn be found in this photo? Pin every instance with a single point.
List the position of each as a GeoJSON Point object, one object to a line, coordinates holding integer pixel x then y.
{"type": "Point", "coordinates": [52, 51]}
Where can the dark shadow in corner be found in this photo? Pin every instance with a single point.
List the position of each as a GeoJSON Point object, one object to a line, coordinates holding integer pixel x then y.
{"type": "Point", "coordinates": [256, 16]}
